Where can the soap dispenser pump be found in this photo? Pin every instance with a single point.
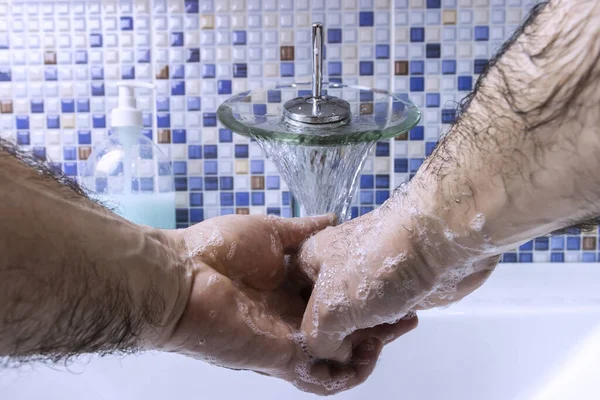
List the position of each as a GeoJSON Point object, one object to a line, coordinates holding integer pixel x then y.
{"type": "Point", "coordinates": [127, 171]}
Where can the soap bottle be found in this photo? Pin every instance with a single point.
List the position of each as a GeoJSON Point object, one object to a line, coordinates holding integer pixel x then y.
{"type": "Point", "coordinates": [129, 173]}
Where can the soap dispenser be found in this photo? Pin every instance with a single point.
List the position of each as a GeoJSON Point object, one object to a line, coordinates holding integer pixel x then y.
{"type": "Point", "coordinates": [129, 173]}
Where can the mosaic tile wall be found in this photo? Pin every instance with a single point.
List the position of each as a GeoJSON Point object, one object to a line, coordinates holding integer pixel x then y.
{"type": "Point", "coordinates": [59, 61]}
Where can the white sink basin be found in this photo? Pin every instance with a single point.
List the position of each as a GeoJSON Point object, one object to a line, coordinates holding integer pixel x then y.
{"type": "Point", "coordinates": [531, 333]}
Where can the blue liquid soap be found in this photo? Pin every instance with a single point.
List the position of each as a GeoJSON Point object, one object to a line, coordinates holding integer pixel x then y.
{"type": "Point", "coordinates": [151, 209]}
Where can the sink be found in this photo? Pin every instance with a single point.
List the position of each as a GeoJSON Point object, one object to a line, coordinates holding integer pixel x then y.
{"type": "Point", "coordinates": [532, 332]}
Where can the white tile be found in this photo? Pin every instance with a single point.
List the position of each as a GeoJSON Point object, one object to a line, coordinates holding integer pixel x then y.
{"type": "Point", "coordinates": [270, 20]}
{"type": "Point", "coordinates": [401, 34]}
{"type": "Point", "coordinates": [191, 22]}
{"type": "Point", "coordinates": [222, 21]}
{"type": "Point", "coordinates": [302, 20]}
{"type": "Point", "coordinates": [142, 39]}
{"type": "Point", "coordinates": [238, 21]}
{"type": "Point", "coordinates": [223, 54]}
{"type": "Point", "coordinates": [176, 56]}
{"type": "Point", "coordinates": [433, 34]}
{"type": "Point", "coordinates": [270, 37]}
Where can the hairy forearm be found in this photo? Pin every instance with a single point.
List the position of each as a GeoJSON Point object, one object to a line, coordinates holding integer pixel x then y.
{"type": "Point", "coordinates": [522, 157]}
{"type": "Point", "coordinates": [76, 278]}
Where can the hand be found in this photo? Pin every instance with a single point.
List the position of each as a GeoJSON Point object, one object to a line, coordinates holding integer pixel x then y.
{"type": "Point", "coordinates": [238, 317]}
{"type": "Point", "coordinates": [380, 267]}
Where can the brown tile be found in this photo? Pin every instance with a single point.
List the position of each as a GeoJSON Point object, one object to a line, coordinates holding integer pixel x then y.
{"type": "Point", "coordinates": [287, 53]}
{"type": "Point", "coordinates": [50, 57]}
{"type": "Point", "coordinates": [164, 136]}
{"type": "Point", "coordinates": [241, 166]}
{"type": "Point", "coordinates": [402, 136]}
{"type": "Point", "coordinates": [84, 152]}
{"type": "Point", "coordinates": [589, 243]}
{"type": "Point", "coordinates": [366, 108]}
{"type": "Point", "coordinates": [207, 21]}
{"type": "Point", "coordinates": [242, 211]}
{"type": "Point", "coordinates": [6, 106]}
{"type": "Point", "coordinates": [257, 183]}
{"type": "Point", "coordinates": [449, 17]}
{"type": "Point", "coordinates": [163, 73]}
{"type": "Point", "coordinates": [401, 68]}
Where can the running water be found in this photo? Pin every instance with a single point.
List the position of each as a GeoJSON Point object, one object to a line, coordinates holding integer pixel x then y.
{"type": "Point", "coordinates": [322, 178]}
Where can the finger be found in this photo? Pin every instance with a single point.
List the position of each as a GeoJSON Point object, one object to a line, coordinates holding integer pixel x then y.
{"type": "Point", "coordinates": [386, 333]}
{"type": "Point", "coordinates": [293, 231]}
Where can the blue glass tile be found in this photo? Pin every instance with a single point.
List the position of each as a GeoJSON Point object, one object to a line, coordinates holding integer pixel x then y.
{"type": "Point", "coordinates": [225, 136]}
{"type": "Point", "coordinates": [226, 182]}
{"type": "Point", "coordinates": [196, 199]}
{"type": "Point", "coordinates": [177, 88]}
{"type": "Point", "coordinates": [196, 214]}
{"type": "Point", "coordinates": [417, 67]}
{"type": "Point", "coordinates": [367, 181]}
{"type": "Point", "coordinates": [127, 72]}
{"type": "Point", "coordinates": [209, 71]}
{"type": "Point", "coordinates": [96, 72]}
{"type": "Point", "coordinates": [196, 182]}
{"type": "Point", "coordinates": [433, 50]}
{"type": "Point", "coordinates": [417, 133]}
{"type": "Point", "coordinates": [177, 71]}
{"type": "Point", "coordinates": [429, 147]}
{"type": "Point", "coordinates": [334, 35]}
{"type": "Point", "coordinates": [509, 257]}
{"type": "Point", "coordinates": [382, 181]}
{"type": "Point", "coordinates": [274, 211]}
{"type": "Point", "coordinates": [448, 67]}
{"type": "Point", "coordinates": [365, 210]}
{"type": "Point", "coordinates": [178, 136]}
{"type": "Point", "coordinates": [143, 56]}
{"type": "Point", "coordinates": [181, 215]}
{"type": "Point", "coordinates": [211, 183]}
{"type": "Point", "coordinates": [50, 74]}
{"type": "Point", "coordinates": [66, 105]}
{"type": "Point", "coordinates": [22, 121]}
{"type": "Point", "coordinates": [285, 198]}
{"type": "Point", "coordinates": [37, 106]}
{"type": "Point", "coordinates": [366, 96]}
{"type": "Point", "coordinates": [353, 212]}
{"type": "Point", "coordinates": [381, 196]}
{"type": "Point", "coordinates": [366, 18]}
{"type": "Point", "coordinates": [52, 122]}
{"type": "Point", "coordinates": [70, 168]}
{"type": "Point", "coordinates": [192, 55]}
{"type": "Point", "coordinates": [97, 89]}
{"type": "Point", "coordinates": [557, 257]}
{"type": "Point", "coordinates": [274, 96]}
{"type": "Point", "coordinates": [465, 83]}
{"type": "Point", "coordinates": [286, 212]}
{"type": "Point", "coordinates": [541, 243]}
{"type": "Point", "coordinates": [165, 168]}
{"type": "Point", "coordinates": [334, 68]}
{"type": "Point", "coordinates": [573, 231]}
{"type": "Point", "coordinates": [400, 165]}
{"type": "Point", "coordinates": [287, 69]}
{"type": "Point", "coordinates": [209, 119]}
{"type": "Point", "coordinates": [126, 23]}
{"type": "Point", "coordinates": [39, 153]}
{"type": "Point", "coordinates": [193, 103]}
{"type": "Point", "coordinates": [526, 246]}
{"type": "Point", "coordinates": [366, 197]}
{"type": "Point", "coordinates": [162, 104]}
{"type": "Point", "coordinates": [147, 122]}
{"type": "Point", "coordinates": [479, 66]}
{"type": "Point", "coordinates": [240, 70]}
{"type": "Point", "coordinates": [257, 167]}
{"type": "Point", "coordinates": [5, 74]}
{"type": "Point", "coordinates": [226, 198]}
{"type": "Point", "coordinates": [434, 3]}
{"type": "Point", "coordinates": [210, 151]}
{"type": "Point", "coordinates": [415, 163]}
{"type": "Point", "coordinates": [417, 34]}
{"type": "Point", "coordinates": [211, 167]}
{"type": "Point", "coordinates": [180, 183]}
{"type": "Point", "coordinates": [588, 257]}
{"type": "Point", "coordinates": [273, 182]}
{"type": "Point", "coordinates": [69, 153]}
{"type": "Point", "coordinates": [525, 257]}
{"type": "Point", "coordinates": [23, 138]}
{"type": "Point", "coordinates": [573, 243]}
{"type": "Point", "coordinates": [192, 6]}
{"type": "Point", "coordinates": [448, 116]}
{"type": "Point", "coordinates": [382, 51]}
{"type": "Point", "coordinates": [83, 105]}
{"type": "Point", "coordinates": [241, 151]}
{"type": "Point", "coordinates": [81, 57]}
{"type": "Point", "coordinates": [258, 198]}
{"type": "Point", "coordinates": [224, 86]}
{"type": "Point", "coordinates": [417, 84]}
{"type": "Point", "coordinates": [366, 67]}
{"type": "Point", "coordinates": [176, 39]}
{"type": "Point", "coordinates": [432, 99]}
{"type": "Point", "coordinates": [163, 120]}
{"type": "Point", "coordinates": [242, 199]}
{"type": "Point", "coordinates": [147, 132]}
{"type": "Point", "coordinates": [482, 33]}
{"type": "Point", "coordinates": [95, 40]}
{"type": "Point", "coordinates": [239, 38]}
{"type": "Point", "coordinates": [99, 121]}
{"type": "Point", "coordinates": [179, 167]}
{"type": "Point", "coordinates": [382, 149]}
{"type": "Point", "coordinates": [227, 211]}
{"type": "Point", "coordinates": [84, 137]}
{"type": "Point", "coordinates": [557, 243]}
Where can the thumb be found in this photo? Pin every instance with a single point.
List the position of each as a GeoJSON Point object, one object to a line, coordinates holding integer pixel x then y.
{"type": "Point", "coordinates": [293, 231]}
